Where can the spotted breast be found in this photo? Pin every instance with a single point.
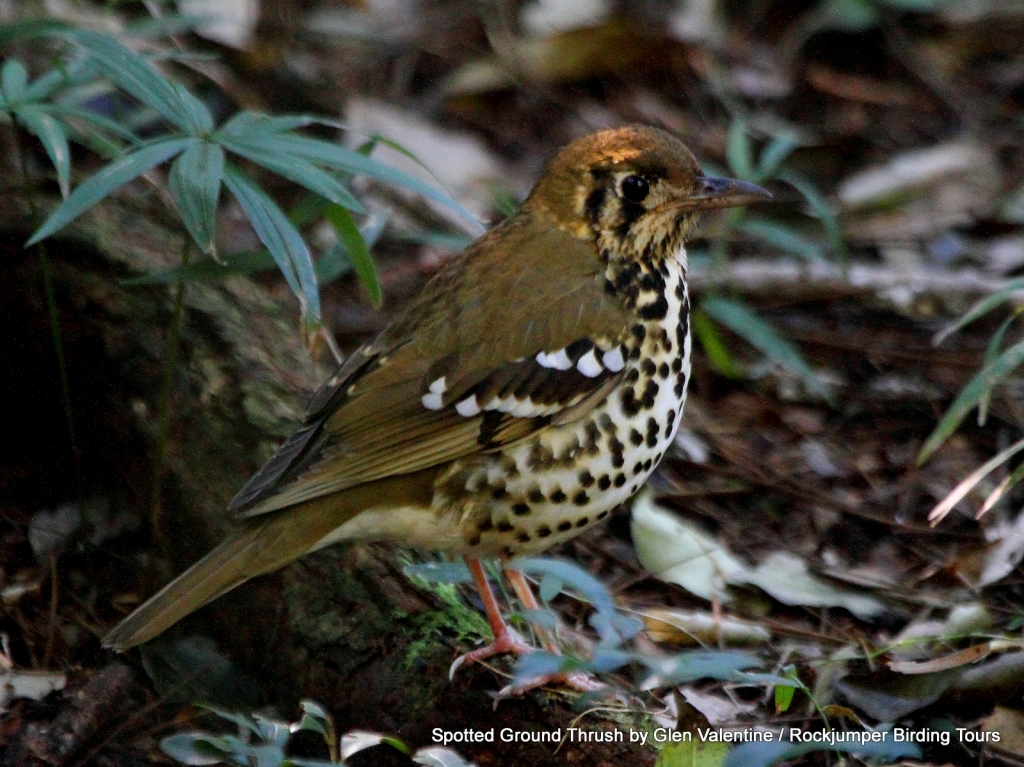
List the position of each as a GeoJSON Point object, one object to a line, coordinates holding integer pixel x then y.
{"type": "Point", "coordinates": [548, 488]}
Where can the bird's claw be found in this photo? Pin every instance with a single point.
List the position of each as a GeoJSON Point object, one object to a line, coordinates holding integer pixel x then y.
{"type": "Point", "coordinates": [576, 680]}
{"type": "Point", "coordinates": [508, 641]}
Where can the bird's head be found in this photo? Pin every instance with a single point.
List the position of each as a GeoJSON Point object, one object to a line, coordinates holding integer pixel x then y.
{"type": "Point", "coordinates": [637, 191]}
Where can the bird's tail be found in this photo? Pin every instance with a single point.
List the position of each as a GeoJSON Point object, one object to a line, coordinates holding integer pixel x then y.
{"type": "Point", "coordinates": [218, 572]}
{"type": "Point", "coordinates": [264, 544]}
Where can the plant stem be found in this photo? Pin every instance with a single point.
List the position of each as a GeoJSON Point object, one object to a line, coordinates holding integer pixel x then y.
{"type": "Point", "coordinates": [164, 406]}
{"type": "Point", "coordinates": [46, 272]}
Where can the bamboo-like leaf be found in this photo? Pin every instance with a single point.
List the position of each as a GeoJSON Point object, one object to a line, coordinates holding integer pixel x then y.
{"type": "Point", "coordinates": [713, 345]}
{"type": "Point", "coordinates": [337, 157]}
{"type": "Point", "coordinates": [336, 261]}
{"type": "Point", "coordinates": [44, 86]}
{"type": "Point", "coordinates": [66, 112]}
{"type": "Point", "coordinates": [738, 152]}
{"type": "Point", "coordinates": [130, 71]}
{"type": "Point", "coordinates": [13, 79]}
{"type": "Point", "coordinates": [362, 261]}
{"type": "Point", "coordinates": [195, 185]}
{"type": "Point", "coordinates": [969, 396]}
{"type": "Point", "coordinates": [980, 309]}
{"type": "Point", "coordinates": [294, 168]}
{"type": "Point", "coordinates": [960, 491]}
{"type": "Point", "coordinates": [200, 121]}
{"type": "Point", "coordinates": [116, 174]}
{"type": "Point", "coordinates": [995, 343]}
{"type": "Point", "coordinates": [26, 30]}
{"type": "Point", "coordinates": [254, 125]}
{"type": "Point", "coordinates": [53, 138]}
{"type": "Point", "coordinates": [783, 238]}
{"type": "Point", "coordinates": [282, 239]}
{"type": "Point", "coordinates": [821, 208]}
{"type": "Point", "coordinates": [761, 335]}
{"type": "Point", "coordinates": [773, 155]}
{"type": "Point", "coordinates": [572, 576]}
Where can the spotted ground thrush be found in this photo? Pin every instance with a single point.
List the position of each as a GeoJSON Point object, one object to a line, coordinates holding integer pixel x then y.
{"type": "Point", "coordinates": [531, 388]}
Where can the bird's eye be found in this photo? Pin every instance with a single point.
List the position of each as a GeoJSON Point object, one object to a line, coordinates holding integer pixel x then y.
{"type": "Point", "coordinates": [634, 189]}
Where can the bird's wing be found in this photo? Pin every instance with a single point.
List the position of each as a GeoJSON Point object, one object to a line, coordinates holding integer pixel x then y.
{"type": "Point", "coordinates": [452, 377]}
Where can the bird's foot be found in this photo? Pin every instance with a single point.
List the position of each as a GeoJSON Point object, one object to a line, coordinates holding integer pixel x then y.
{"type": "Point", "coordinates": [575, 680]}
{"type": "Point", "coordinates": [505, 641]}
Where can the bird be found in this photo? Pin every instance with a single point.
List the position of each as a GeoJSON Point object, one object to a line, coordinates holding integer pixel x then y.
{"type": "Point", "coordinates": [527, 392]}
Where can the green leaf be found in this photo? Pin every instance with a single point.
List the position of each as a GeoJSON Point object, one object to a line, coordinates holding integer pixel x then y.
{"type": "Point", "coordinates": [773, 155]}
{"type": "Point", "coordinates": [193, 748]}
{"type": "Point", "coordinates": [336, 261]}
{"type": "Point", "coordinates": [761, 335]}
{"type": "Point", "coordinates": [738, 151]}
{"type": "Point", "coordinates": [113, 176]}
{"type": "Point", "coordinates": [26, 30]}
{"type": "Point", "coordinates": [716, 349]}
{"type": "Point", "coordinates": [200, 121]}
{"type": "Point", "coordinates": [130, 71]}
{"type": "Point", "coordinates": [991, 353]}
{"type": "Point", "coordinates": [339, 158]}
{"type": "Point", "coordinates": [195, 185]}
{"type": "Point", "coordinates": [440, 572]}
{"type": "Point", "coordinates": [14, 79]}
{"type": "Point", "coordinates": [983, 307]}
{"type": "Point", "coordinates": [66, 112]}
{"type": "Point", "coordinates": [572, 576]}
{"type": "Point", "coordinates": [350, 236]}
{"type": "Point", "coordinates": [294, 168]}
{"type": "Point", "coordinates": [53, 138]}
{"type": "Point", "coordinates": [821, 208]}
{"type": "Point", "coordinates": [282, 239]}
{"type": "Point", "coordinates": [255, 125]}
{"type": "Point", "coordinates": [989, 376]}
{"type": "Point", "coordinates": [782, 238]}
{"type": "Point", "coordinates": [550, 587]}
{"type": "Point", "coordinates": [783, 698]}
{"type": "Point", "coordinates": [44, 86]}
{"type": "Point", "coordinates": [692, 753]}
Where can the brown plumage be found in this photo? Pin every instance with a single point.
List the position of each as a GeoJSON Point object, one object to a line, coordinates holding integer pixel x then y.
{"type": "Point", "coordinates": [497, 414]}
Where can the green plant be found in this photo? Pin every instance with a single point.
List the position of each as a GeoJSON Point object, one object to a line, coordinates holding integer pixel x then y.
{"type": "Point", "coordinates": [998, 365]}
{"type": "Point", "coordinates": [262, 742]}
{"type": "Point", "coordinates": [203, 158]}
{"type": "Point", "coordinates": [732, 313]}
{"type": "Point", "coordinates": [614, 629]}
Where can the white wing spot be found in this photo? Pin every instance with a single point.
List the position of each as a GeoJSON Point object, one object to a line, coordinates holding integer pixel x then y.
{"type": "Point", "coordinates": [588, 365]}
{"type": "Point", "coordinates": [468, 407]}
{"type": "Point", "coordinates": [558, 360]}
{"type": "Point", "coordinates": [432, 401]}
{"type": "Point", "coordinates": [439, 386]}
{"type": "Point", "coordinates": [613, 360]}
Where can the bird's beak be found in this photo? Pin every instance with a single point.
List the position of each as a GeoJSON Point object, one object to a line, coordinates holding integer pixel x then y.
{"type": "Point", "coordinates": [722, 193]}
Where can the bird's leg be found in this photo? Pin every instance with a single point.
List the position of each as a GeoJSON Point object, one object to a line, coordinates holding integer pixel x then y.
{"type": "Point", "coordinates": [525, 593]}
{"type": "Point", "coordinates": [505, 638]}
{"type": "Point", "coordinates": [576, 680]}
